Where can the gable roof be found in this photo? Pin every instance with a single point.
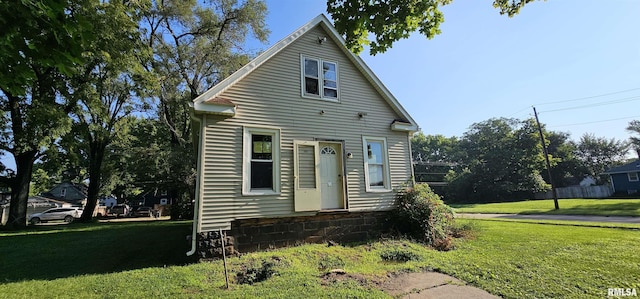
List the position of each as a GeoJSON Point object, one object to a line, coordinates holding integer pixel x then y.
{"type": "Point", "coordinates": [631, 167]}
{"type": "Point", "coordinates": [207, 102]}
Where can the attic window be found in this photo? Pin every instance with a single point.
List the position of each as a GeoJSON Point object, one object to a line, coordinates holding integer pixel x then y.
{"type": "Point", "coordinates": [319, 78]}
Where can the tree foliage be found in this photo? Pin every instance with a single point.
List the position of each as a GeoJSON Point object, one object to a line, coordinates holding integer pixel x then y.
{"type": "Point", "coordinates": [503, 159]}
{"type": "Point", "coordinates": [634, 128]}
{"type": "Point", "coordinates": [597, 154]}
{"type": "Point", "coordinates": [392, 20]}
{"type": "Point", "coordinates": [42, 43]}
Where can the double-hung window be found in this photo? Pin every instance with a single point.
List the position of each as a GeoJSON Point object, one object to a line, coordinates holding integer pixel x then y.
{"type": "Point", "coordinates": [261, 161]}
{"type": "Point", "coordinates": [320, 78]}
{"type": "Point", "coordinates": [376, 164]}
{"type": "Point", "coordinates": [633, 176]}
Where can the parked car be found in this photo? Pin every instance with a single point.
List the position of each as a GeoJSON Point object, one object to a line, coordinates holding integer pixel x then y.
{"type": "Point", "coordinates": [120, 210]}
{"type": "Point", "coordinates": [144, 212]}
{"type": "Point", "coordinates": [66, 214]}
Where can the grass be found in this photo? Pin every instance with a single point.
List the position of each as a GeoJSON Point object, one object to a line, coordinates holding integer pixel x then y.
{"type": "Point", "coordinates": [508, 259]}
{"type": "Point", "coordinates": [599, 207]}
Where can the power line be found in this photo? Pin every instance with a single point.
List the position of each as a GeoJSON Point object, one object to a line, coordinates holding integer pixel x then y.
{"type": "Point", "coordinates": [628, 99]}
{"type": "Point", "coordinates": [595, 122]}
{"type": "Point", "coordinates": [589, 97]}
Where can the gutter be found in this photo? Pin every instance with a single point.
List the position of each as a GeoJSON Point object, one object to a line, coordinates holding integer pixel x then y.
{"type": "Point", "coordinates": [199, 184]}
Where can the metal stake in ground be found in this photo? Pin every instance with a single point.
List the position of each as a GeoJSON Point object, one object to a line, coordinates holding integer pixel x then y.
{"type": "Point", "coordinates": [224, 259]}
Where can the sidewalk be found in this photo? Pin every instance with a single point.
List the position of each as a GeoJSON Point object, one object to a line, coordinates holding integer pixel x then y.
{"type": "Point", "coordinates": [613, 219]}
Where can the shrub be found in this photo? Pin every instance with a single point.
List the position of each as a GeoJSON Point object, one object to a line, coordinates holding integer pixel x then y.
{"type": "Point", "coordinates": [328, 262]}
{"type": "Point", "coordinates": [252, 274]}
{"type": "Point", "coordinates": [464, 230]}
{"type": "Point", "coordinates": [399, 255]}
{"type": "Point", "coordinates": [421, 214]}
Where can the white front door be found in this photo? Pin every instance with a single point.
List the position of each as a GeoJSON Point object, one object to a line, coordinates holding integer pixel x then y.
{"type": "Point", "coordinates": [331, 183]}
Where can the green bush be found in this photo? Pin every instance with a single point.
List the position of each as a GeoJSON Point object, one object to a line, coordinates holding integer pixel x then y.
{"type": "Point", "coordinates": [399, 255]}
{"type": "Point", "coordinates": [421, 214]}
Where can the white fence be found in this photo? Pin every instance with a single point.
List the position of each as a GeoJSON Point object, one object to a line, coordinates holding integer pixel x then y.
{"type": "Point", "coordinates": [578, 192]}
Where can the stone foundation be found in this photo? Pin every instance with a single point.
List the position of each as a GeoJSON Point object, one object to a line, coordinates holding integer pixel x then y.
{"type": "Point", "coordinates": [247, 235]}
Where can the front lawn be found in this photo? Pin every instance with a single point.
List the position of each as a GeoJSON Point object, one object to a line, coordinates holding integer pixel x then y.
{"type": "Point", "coordinates": [508, 259]}
{"type": "Point", "coordinates": [601, 207]}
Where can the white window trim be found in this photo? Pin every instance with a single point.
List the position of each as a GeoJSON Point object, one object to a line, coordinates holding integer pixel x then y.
{"type": "Point", "coordinates": [320, 80]}
{"type": "Point", "coordinates": [629, 176]}
{"type": "Point", "coordinates": [246, 160]}
{"type": "Point", "coordinates": [385, 172]}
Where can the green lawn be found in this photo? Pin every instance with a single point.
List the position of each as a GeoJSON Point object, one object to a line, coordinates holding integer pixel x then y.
{"type": "Point", "coordinates": [509, 259]}
{"type": "Point", "coordinates": [603, 207]}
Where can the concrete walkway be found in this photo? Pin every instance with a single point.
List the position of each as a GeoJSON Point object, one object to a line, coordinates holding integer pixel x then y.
{"type": "Point", "coordinates": [613, 219]}
{"type": "Point", "coordinates": [432, 285]}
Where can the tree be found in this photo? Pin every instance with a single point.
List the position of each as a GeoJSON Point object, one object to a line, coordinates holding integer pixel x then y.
{"type": "Point", "coordinates": [433, 157]}
{"type": "Point", "coordinates": [597, 154]}
{"type": "Point", "coordinates": [434, 148]}
{"type": "Point", "coordinates": [390, 21]}
{"type": "Point", "coordinates": [567, 169]}
{"type": "Point", "coordinates": [106, 88]}
{"type": "Point", "coordinates": [42, 42]}
{"type": "Point", "coordinates": [634, 127]}
{"type": "Point", "coordinates": [503, 162]}
{"type": "Point", "coordinates": [194, 47]}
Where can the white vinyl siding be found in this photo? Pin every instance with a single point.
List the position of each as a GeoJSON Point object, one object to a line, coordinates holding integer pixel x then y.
{"type": "Point", "coordinates": [261, 160]}
{"type": "Point", "coordinates": [270, 97]}
{"type": "Point", "coordinates": [319, 78]}
{"type": "Point", "coordinates": [376, 164]}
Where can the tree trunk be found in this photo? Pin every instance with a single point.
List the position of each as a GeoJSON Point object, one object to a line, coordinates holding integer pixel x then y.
{"type": "Point", "coordinates": [96, 156]}
{"type": "Point", "coordinates": [20, 190]}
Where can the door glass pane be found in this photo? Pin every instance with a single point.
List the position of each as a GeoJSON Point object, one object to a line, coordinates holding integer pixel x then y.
{"type": "Point", "coordinates": [306, 167]}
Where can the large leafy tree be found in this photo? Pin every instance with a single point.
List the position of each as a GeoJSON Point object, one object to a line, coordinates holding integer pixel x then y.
{"type": "Point", "coordinates": [195, 45]}
{"type": "Point", "coordinates": [597, 154]}
{"type": "Point", "coordinates": [40, 46]}
{"type": "Point", "coordinates": [106, 87]}
{"type": "Point", "coordinates": [391, 20]}
{"type": "Point", "coordinates": [503, 161]}
{"type": "Point", "coordinates": [567, 169]}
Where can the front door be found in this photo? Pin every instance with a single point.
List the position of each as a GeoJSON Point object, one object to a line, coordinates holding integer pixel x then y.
{"type": "Point", "coordinates": [331, 183]}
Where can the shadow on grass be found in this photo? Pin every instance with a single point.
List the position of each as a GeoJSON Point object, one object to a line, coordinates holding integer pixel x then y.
{"type": "Point", "coordinates": [51, 252]}
{"type": "Point", "coordinates": [601, 208]}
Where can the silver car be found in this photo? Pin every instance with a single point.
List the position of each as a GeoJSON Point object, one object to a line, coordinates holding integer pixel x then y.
{"type": "Point", "coordinates": [66, 214]}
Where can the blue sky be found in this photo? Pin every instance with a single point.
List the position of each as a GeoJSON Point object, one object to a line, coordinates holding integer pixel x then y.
{"type": "Point", "coordinates": [556, 55]}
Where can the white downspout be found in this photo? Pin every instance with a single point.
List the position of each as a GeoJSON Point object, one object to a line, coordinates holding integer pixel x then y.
{"type": "Point", "coordinates": [199, 185]}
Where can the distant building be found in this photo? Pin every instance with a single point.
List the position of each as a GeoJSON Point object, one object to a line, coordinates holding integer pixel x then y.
{"type": "Point", "coordinates": [625, 179]}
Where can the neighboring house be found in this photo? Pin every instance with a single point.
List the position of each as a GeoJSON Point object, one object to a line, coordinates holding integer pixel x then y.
{"type": "Point", "coordinates": [75, 194]}
{"type": "Point", "coordinates": [302, 144]}
{"type": "Point", "coordinates": [625, 178]}
{"type": "Point", "coordinates": [153, 198]}
{"type": "Point", "coordinates": [108, 201]}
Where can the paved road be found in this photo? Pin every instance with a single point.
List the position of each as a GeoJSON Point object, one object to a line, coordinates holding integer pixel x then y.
{"type": "Point", "coordinates": [614, 219]}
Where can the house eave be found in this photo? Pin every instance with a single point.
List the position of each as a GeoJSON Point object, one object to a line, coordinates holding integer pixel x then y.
{"type": "Point", "coordinates": [213, 109]}
{"type": "Point", "coordinates": [404, 127]}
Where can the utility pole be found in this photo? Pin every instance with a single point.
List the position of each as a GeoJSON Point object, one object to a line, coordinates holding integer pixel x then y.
{"type": "Point", "coordinates": [546, 158]}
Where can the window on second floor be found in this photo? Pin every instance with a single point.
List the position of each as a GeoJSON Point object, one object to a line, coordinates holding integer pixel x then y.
{"type": "Point", "coordinates": [320, 78]}
{"type": "Point", "coordinates": [633, 176]}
